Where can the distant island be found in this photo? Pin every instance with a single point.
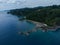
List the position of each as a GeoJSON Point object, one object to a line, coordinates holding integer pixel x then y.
{"type": "Point", "coordinates": [48, 15]}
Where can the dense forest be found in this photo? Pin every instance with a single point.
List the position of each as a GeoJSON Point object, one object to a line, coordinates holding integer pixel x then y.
{"type": "Point", "coordinates": [49, 15]}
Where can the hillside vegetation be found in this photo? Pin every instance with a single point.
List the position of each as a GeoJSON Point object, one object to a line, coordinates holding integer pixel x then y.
{"type": "Point", "coordinates": [49, 15]}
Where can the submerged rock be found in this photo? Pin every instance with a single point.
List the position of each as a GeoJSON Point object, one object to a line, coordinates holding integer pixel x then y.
{"type": "Point", "coordinates": [24, 33]}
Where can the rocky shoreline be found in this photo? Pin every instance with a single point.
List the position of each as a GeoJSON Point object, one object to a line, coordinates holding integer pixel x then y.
{"type": "Point", "coordinates": [39, 25]}
{"type": "Point", "coordinates": [44, 26]}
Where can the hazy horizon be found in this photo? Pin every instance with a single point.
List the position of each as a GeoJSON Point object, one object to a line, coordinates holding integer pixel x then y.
{"type": "Point", "coordinates": [13, 4]}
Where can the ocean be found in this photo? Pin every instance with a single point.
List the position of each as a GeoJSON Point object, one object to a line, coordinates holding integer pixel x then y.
{"type": "Point", "coordinates": [10, 26]}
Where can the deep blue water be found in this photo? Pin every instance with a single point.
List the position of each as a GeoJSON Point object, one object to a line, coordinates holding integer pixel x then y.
{"type": "Point", "coordinates": [10, 26]}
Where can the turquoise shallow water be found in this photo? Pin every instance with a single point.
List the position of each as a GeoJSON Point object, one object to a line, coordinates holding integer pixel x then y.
{"type": "Point", "coordinates": [10, 26]}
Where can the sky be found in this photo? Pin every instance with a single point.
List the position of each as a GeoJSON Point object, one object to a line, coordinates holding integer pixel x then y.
{"type": "Point", "coordinates": [12, 4]}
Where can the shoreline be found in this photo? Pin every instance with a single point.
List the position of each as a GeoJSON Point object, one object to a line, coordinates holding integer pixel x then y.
{"type": "Point", "coordinates": [42, 25]}
{"type": "Point", "coordinates": [38, 25]}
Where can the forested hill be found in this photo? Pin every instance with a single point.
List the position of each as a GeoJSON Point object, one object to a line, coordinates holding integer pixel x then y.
{"type": "Point", "coordinates": [48, 14]}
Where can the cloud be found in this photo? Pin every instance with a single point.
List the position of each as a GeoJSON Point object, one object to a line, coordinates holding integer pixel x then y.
{"type": "Point", "coordinates": [11, 1]}
{"type": "Point", "coordinates": [12, 4]}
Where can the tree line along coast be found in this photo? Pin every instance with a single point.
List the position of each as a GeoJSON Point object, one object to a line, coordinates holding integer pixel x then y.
{"type": "Point", "coordinates": [47, 15]}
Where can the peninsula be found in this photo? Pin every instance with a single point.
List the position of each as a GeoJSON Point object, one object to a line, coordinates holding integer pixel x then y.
{"type": "Point", "coordinates": [47, 17]}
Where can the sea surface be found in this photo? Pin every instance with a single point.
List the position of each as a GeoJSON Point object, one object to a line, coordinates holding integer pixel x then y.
{"type": "Point", "coordinates": [10, 26]}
